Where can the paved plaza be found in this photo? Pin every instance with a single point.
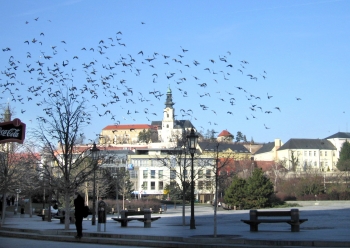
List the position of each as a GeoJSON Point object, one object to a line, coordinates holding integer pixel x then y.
{"type": "Point", "coordinates": [327, 226]}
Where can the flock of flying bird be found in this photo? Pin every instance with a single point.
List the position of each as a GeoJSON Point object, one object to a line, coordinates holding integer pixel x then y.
{"type": "Point", "coordinates": [123, 85]}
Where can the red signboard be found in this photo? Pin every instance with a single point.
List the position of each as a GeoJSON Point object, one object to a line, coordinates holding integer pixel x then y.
{"type": "Point", "coordinates": [12, 131]}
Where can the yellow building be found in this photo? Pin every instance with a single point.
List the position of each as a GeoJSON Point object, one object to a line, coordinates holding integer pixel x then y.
{"type": "Point", "coordinates": [123, 134]}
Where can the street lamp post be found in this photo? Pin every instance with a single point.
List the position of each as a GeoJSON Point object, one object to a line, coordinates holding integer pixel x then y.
{"type": "Point", "coordinates": [94, 154]}
{"type": "Point", "coordinates": [17, 193]}
{"type": "Point", "coordinates": [192, 139]}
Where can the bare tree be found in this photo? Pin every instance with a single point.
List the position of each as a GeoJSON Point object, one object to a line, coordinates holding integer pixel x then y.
{"type": "Point", "coordinates": [58, 132]}
{"type": "Point", "coordinates": [294, 160]}
{"type": "Point", "coordinates": [221, 158]}
{"type": "Point", "coordinates": [179, 163]}
{"type": "Point", "coordinates": [17, 170]}
{"type": "Point", "coordinates": [276, 172]}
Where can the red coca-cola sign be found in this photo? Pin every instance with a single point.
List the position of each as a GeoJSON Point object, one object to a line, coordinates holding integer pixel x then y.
{"type": "Point", "coordinates": [12, 131]}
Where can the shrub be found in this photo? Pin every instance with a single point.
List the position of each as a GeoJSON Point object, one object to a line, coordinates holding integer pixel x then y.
{"type": "Point", "coordinates": [253, 192]}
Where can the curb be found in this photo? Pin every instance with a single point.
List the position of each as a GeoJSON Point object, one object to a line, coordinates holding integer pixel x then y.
{"type": "Point", "coordinates": [160, 241]}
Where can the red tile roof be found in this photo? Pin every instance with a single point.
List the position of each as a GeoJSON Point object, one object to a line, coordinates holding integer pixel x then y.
{"type": "Point", "coordinates": [127, 126]}
{"type": "Point", "coordinates": [225, 133]}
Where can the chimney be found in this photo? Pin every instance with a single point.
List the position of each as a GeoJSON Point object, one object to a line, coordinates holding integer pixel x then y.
{"type": "Point", "coordinates": [278, 144]}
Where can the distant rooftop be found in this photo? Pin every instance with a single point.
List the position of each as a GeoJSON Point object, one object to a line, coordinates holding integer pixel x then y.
{"type": "Point", "coordinates": [340, 135]}
{"type": "Point", "coordinates": [321, 144]}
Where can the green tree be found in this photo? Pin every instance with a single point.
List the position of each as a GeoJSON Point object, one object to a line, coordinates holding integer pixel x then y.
{"type": "Point", "coordinates": [235, 195]}
{"type": "Point", "coordinates": [259, 189]}
{"type": "Point", "coordinates": [253, 192]}
{"type": "Point", "coordinates": [239, 136]}
{"type": "Point", "coordinates": [145, 136]}
{"type": "Point", "coordinates": [344, 157]}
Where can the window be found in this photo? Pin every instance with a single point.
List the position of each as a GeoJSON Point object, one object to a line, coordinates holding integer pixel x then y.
{"type": "Point", "coordinates": [145, 174]}
{"type": "Point", "coordinates": [325, 153]}
{"type": "Point", "coordinates": [172, 184]}
{"type": "Point", "coordinates": [200, 173]}
{"type": "Point", "coordinates": [309, 153]}
{"type": "Point", "coordinates": [208, 173]}
{"type": "Point", "coordinates": [320, 153]}
{"type": "Point", "coordinates": [314, 153]}
{"type": "Point", "coordinates": [200, 184]}
{"type": "Point", "coordinates": [133, 174]}
{"type": "Point", "coordinates": [144, 186]}
{"type": "Point", "coordinates": [173, 162]}
{"type": "Point", "coordinates": [172, 174]}
{"type": "Point", "coordinates": [160, 174]}
{"type": "Point", "coordinates": [315, 164]}
{"type": "Point", "coordinates": [160, 186]}
{"type": "Point", "coordinates": [305, 153]}
{"type": "Point", "coordinates": [208, 185]}
{"type": "Point", "coordinates": [153, 174]}
{"type": "Point", "coordinates": [153, 185]}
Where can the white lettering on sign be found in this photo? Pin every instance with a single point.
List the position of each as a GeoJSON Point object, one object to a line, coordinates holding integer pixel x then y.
{"type": "Point", "coordinates": [13, 132]}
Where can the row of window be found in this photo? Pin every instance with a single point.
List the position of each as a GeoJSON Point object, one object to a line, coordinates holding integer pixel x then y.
{"type": "Point", "coordinates": [322, 164]}
{"type": "Point", "coordinates": [153, 185]}
{"type": "Point", "coordinates": [314, 153]}
{"type": "Point", "coordinates": [153, 174]}
{"type": "Point", "coordinates": [201, 185]}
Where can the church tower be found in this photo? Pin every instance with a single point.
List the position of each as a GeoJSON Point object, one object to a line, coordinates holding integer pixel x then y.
{"type": "Point", "coordinates": [168, 117]}
{"type": "Point", "coordinates": [7, 114]}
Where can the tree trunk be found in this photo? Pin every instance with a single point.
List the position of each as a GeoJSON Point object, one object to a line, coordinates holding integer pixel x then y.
{"type": "Point", "coordinates": [30, 206]}
{"type": "Point", "coordinates": [215, 205]}
{"type": "Point", "coordinates": [3, 209]}
{"type": "Point", "coordinates": [67, 209]}
{"type": "Point", "coordinates": [183, 207]}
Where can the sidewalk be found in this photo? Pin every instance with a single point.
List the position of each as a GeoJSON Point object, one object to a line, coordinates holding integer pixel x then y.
{"type": "Point", "coordinates": [328, 225]}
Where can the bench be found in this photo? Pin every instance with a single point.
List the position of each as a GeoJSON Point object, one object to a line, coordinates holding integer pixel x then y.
{"type": "Point", "coordinates": [294, 221]}
{"type": "Point", "coordinates": [147, 219]}
{"type": "Point", "coordinates": [61, 216]}
{"type": "Point", "coordinates": [45, 214]}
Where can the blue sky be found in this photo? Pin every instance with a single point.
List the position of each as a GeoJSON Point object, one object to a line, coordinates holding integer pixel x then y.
{"type": "Point", "coordinates": [255, 59]}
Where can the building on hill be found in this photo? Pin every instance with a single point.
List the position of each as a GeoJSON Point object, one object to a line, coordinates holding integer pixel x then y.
{"type": "Point", "coordinates": [225, 136]}
{"type": "Point", "coordinates": [338, 140]}
{"type": "Point", "coordinates": [164, 133]}
{"type": "Point", "coordinates": [268, 151]}
{"type": "Point", "coordinates": [303, 154]}
{"type": "Point", "coordinates": [170, 129]}
{"type": "Point", "coordinates": [233, 157]}
{"type": "Point", "coordinates": [267, 156]}
{"type": "Point", "coordinates": [124, 134]}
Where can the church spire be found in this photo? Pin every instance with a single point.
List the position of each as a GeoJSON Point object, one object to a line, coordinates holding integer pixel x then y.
{"type": "Point", "coordinates": [169, 99]}
{"type": "Point", "coordinates": [7, 114]}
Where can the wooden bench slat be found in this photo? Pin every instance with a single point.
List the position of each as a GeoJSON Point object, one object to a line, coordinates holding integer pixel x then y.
{"type": "Point", "coordinates": [274, 213]}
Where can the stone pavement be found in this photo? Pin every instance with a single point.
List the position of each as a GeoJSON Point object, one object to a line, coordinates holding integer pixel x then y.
{"type": "Point", "coordinates": [327, 226]}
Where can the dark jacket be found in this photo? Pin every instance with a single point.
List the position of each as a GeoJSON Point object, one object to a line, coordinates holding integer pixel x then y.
{"type": "Point", "coordinates": [79, 206]}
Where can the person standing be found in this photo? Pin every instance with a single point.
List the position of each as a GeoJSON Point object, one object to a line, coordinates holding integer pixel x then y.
{"type": "Point", "coordinates": [79, 212]}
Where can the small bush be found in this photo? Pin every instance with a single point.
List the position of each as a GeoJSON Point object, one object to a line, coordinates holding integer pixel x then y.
{"type": "Point", "coordinates": [333, 195]}
{"type": "Point", "coordinates": [285, 197]}
{"type": "Point", "coordinates": [344, 195]}
{"type": "Point", "coordinates": [274, 201]}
